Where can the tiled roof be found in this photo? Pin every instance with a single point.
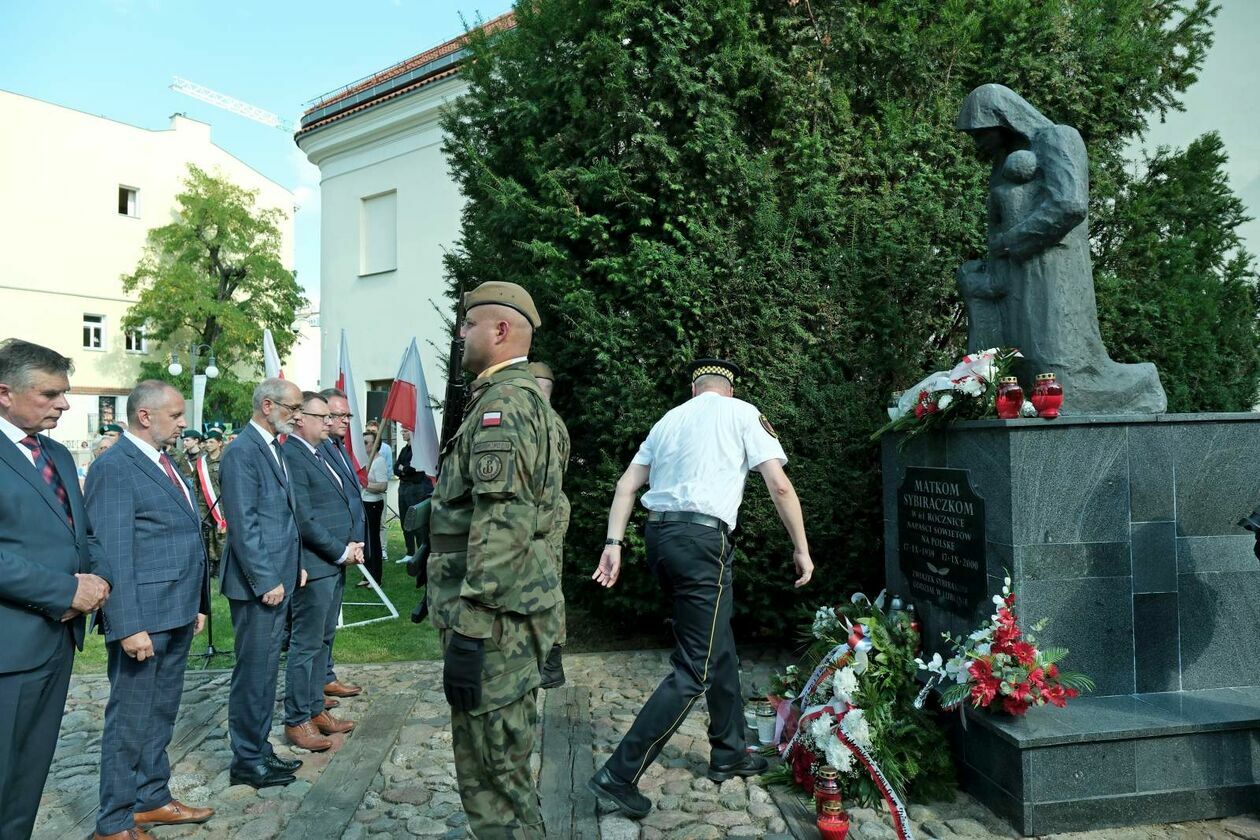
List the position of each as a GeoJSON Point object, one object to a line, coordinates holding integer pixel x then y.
{"type": "Point", "coordinates": [428, 67]}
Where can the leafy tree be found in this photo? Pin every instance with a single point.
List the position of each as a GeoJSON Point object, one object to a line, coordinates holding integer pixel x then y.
{"type": "Point", "coordinates": [214, 276]}
{"type": "Point", "coordinates": [780, 182]}
{"type": "Point", "coordinates": [1176, 286]}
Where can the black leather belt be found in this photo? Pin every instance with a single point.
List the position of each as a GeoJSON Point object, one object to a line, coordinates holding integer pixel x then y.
{"type": "Point", "coordinates": [688, 516]}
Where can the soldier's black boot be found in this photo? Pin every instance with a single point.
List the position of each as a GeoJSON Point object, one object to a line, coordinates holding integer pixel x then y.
{"type": "Point", "coordinates": [625, 795]}
{"type": "Point", "coordinates": [553, 668]}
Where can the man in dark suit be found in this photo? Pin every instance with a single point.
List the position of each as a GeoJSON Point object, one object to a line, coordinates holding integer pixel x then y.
{"type": "Point", "coordinates": [329, 543]}
{"type": "Point", "coordinates": [145, 539]}
{"type": "Point", "coordinates": [335, 452]}
{"type": "Point", "coordinates": [45, 586]}
{"type": "Point", "coordinates": [259, 573]}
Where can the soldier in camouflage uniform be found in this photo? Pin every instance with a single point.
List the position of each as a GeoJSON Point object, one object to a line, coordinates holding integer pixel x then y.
{"type": "Point", "coordinates": [214, 532]}
{"type": "Point", "coordinates": [189, 451]}
{"type": "Point", "coordinates": [553, 669]}
{"type": "Point", "coordinates": [493, 589]}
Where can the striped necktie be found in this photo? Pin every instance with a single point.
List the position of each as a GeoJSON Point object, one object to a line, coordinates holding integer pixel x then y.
{"type": "Point", "coordinates": [49, 473]}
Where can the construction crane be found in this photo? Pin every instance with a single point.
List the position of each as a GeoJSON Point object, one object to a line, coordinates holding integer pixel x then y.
{"type": "Point", "coordinates": [228, 103]}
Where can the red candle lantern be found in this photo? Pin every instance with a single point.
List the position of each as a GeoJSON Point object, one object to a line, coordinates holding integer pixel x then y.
{"type": "Point", "coordinates": [833, 822]}
{"type": "Point", "coordinates": [826, 788]}
{"type": "Point", "coordinates": [1047, 396]}
{"type": "Point", "coordinates": [1010, 397]}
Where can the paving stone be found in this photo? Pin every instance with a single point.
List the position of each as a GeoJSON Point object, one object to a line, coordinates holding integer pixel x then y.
{"type": "Point", "coordinates": [1247, 827]}
{"type": "Point", "coordinates": [616, 827]}
{"type": "Point", "coordinates": [426, 827]}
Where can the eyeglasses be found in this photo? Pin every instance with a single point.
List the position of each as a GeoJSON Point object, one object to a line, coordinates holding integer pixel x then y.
{"type": "Point", "coordinates": [327, 418]}
{"type": "Point", "coordinates": [293, 408]}
{"type": "Point", "coordinates": [337, 415]}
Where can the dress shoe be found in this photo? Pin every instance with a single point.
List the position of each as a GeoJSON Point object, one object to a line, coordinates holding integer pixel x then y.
{"type": "Point", "coordinates": [128, 834]}
{"type": "Point", "coordinates": [173, 813]}
{"type": "Point", "coordinates": [305, 736]}
{"type": "Point", "coordinates": [625, 795]}
{"type": "Point", "coordinates": [288, 765]}
{"type": "Point", "coordinates": [330, 703]}
{"type": "Point", "coordinates": [751, 765]}
{"type": "Point", "coordinates": [329, 725]}
{"type": "Point", "coordinates": [337, 688]}
{"type": "Point", "coordinates": [553, 668]}
{"type": "Point", "coordinates": [261, 775]}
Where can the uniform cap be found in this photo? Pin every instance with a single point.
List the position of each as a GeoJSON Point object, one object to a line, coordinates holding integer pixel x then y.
{"type": "Point", "coordinates": [111, 427]}
{"type": "Point", "coordinates": [504, 294]}
{"type": "Point", "coordinates": [214, 434]}
{"type": "Point", "coordinates": [541, 370]}
{"type": "Point", "coordinates": [192, 433]}
{"type": "Point", "coordinates": [715, 367]}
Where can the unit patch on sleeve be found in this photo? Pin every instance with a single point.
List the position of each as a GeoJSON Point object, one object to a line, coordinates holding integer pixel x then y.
{"type": "Point", "coordinates": [492, 418]}
{"type": "Point", "coordinates": [489, 466]}
{"type": "Point", "coordinates": [765, 424]}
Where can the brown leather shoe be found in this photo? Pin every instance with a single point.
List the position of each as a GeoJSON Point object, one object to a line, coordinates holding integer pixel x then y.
{"type": "Point", "coordinates": [305, 735]}
{"type": "Point", "coordinates": [330, 703]}
{"type": "Point", "coordinates": [173, 813]}
{"type": "Point", "coordinates": [329, 725]}
{"type": "Point", "coordinates": [337, 688]}
{"type": "Point", "coordinates": [129, 834]}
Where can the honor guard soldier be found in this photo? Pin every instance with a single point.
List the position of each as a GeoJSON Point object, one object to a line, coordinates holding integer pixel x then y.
{"type": "Point", "coordinates": [553, 670]}
{"type": "Point", "coordinates": [190, 450]}
{"type": "Point", "coordinates": [493, 589]}
{"type": "Point", "coordinates": [696, 459]}
{"type": "Point", "coordinates": [213, 521]}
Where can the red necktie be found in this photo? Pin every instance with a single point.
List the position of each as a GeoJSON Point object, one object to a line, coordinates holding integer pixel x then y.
{"type": "Point", "coordinates": [170, 473]}
{"type": "Point", "coordinates": [49, 473]}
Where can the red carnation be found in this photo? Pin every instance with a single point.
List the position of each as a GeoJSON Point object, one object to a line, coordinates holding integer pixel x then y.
{"type": "Point", "coordinates": [1024, 653]}
{"type": "Point", "coordinates": [803, 768]}
{"type": "Point", "coordinates": [1014, 707]}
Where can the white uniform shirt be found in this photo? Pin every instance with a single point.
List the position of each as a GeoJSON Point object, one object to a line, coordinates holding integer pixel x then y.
{"type": "Point", "coordinates": [699, 455]}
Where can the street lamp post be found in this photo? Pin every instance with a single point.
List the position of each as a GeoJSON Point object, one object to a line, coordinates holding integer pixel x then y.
{"type": "Point", "coordinates": [198, 379]}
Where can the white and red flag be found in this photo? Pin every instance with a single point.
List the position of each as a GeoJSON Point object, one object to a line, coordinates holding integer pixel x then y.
{"type": "Point", "coordinates": [271, 359]}
{"type": "Point", "coordinates": [355, 449]}
{"type": "Point", "coordinates": [408, 404]}
{"type": "Point", "coordinates": [207, 492]}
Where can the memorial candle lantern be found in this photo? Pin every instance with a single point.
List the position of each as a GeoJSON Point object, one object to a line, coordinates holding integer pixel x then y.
{"type": "Point", "coordinates": [1047, 396]}
{"type": "Point", "coordinates": [894, 405]}
{"type": "Point", "coordinates": [765, 723]}
{"type": "Point", "coordinates": [1009, 398]}
{"type": "Point", "coordinates": [826, 788]}
{"type": "Point", "coordinates": [833, 822]}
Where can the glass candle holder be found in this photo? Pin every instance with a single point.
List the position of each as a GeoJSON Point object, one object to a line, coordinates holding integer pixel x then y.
{"type": "Point", "coordinates": [1009, 398]}
{"type": "Point", "coordinates": [826, 788]}
{"type": "Point", "coordinates": [833, 822]}
{"type": "Point", "coordinates": [1047, 396]}
{"type": "Point", "coordinates": [894, 410]}
{"type": "Point", "coordinates": [765, 723]}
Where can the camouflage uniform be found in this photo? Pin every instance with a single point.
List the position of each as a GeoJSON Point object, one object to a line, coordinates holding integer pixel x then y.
{"type": "Point", "coordinates": [214, 540]}
{"type": "Point", "coordinates": [492, 576]}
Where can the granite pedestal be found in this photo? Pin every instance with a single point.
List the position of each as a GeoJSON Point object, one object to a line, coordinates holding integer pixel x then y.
{"type": "Point", "coordinates": [1121, 532]}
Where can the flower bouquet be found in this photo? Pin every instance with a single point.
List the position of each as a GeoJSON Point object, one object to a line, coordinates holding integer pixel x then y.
{"type": "Point", "coordinates": [965, 393]}
{"type": "Point", "coordinates": [999, 667]}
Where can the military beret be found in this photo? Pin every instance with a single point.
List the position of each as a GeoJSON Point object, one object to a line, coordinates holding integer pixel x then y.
{"type": "Point", "coordinates": [504, 294]}
{"type": "Point", "coordinates": [192, 433]}
{"type": "Point", "coordinates": [715, 367]}
{"type": "Point", "coordinates": [111, 427]}
{"type": "Point", "coordinates": [541, 370]}
{"type": "Point", "coordinates": [214, 434]}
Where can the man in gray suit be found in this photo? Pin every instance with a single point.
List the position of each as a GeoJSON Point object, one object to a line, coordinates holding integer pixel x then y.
{"type": "Point", "coordinates": [145, 538]}
{"type": "Point", "coordinates": [335, 453]}
{"type": "Point", "coordinates": [45, 587]}
{"type": "Point", "coordinates": [259, 574]}
{"type": "Point", "coordinates": [329, 543]}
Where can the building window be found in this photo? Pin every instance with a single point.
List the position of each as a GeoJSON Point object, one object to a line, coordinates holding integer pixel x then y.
{"type": "Point", "coordinates": [378, 234]}
{"type": "Point", "coordinates": [136, 342]}
{"type": "Point", "coordinates": [128, 201]}
{"type": "Point", "coordinates": [93, 332]}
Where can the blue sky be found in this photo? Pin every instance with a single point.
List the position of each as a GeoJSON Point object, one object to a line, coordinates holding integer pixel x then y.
{"type": "Point", "coordinates": [117, 57]}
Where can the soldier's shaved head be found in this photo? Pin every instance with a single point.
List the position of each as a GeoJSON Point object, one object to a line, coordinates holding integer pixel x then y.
{"type": "Point", "coordinates": [494, 333]}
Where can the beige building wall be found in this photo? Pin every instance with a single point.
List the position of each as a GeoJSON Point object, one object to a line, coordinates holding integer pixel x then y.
{"type": "Point", "coordinates": [66, 245]}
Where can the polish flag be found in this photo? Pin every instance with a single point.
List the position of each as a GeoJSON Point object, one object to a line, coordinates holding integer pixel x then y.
{"type": "Point", "coordinates": [354, 445]}
{"type": "Point", "coordinates": [408, 404]}
{"type": "Point", "coordinates": [271, 359]}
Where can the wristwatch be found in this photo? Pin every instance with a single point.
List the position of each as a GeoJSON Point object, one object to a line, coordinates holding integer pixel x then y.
{"type": "Point", "coordinates": [611, 541]}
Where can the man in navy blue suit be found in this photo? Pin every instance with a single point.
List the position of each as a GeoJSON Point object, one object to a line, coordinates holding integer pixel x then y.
{"type": "Point", "coordinates": [259, 573]}
{"type": "Point", "coordinates": [145, 539]}
{"type": "Point", "coordinates": [45, 586]}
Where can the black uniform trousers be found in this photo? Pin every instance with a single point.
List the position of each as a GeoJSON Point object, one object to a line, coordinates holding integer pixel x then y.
{"type": "Point", "coordinates": [693, 565]}
{"type": "Point", "coordinates": [31, 705]}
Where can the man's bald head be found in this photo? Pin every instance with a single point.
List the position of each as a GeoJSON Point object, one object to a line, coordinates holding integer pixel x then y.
{"type": "Point", "coordinates": [494, 333]}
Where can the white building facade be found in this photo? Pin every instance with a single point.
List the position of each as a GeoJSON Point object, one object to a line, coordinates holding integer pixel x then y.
{"type": "Point", "coordinates": [390, 211]}
{"type": "Point", "coordinates": [81, 193]}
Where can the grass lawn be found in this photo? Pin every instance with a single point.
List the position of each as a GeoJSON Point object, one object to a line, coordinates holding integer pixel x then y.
{"type": "Point", "coordinates": [385, 641]}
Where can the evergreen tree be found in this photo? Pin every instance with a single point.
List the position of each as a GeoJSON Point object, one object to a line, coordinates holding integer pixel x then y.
{"type": "Point", "coordinates": [780, 182]}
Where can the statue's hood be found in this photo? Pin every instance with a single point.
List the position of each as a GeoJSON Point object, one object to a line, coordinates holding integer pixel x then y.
{"type": "Point", "coordinates": [997, 106]}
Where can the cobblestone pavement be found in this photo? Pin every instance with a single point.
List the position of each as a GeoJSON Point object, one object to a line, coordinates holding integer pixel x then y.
{"type": "Point", "coordinates": [412, 793]}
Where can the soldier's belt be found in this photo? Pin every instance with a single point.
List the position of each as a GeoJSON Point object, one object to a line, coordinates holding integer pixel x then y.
{"type": "Point", "coordinates": [448, 543]}
{"type": "Point", "coordinates": [688, 516]}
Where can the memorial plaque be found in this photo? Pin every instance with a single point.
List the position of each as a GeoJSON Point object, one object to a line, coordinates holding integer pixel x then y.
{"type": "Point", "coordinates": [941, 540]}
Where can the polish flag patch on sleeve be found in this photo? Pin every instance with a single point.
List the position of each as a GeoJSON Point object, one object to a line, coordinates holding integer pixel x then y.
{"type": "Point", "coordinates": [492, 418]}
